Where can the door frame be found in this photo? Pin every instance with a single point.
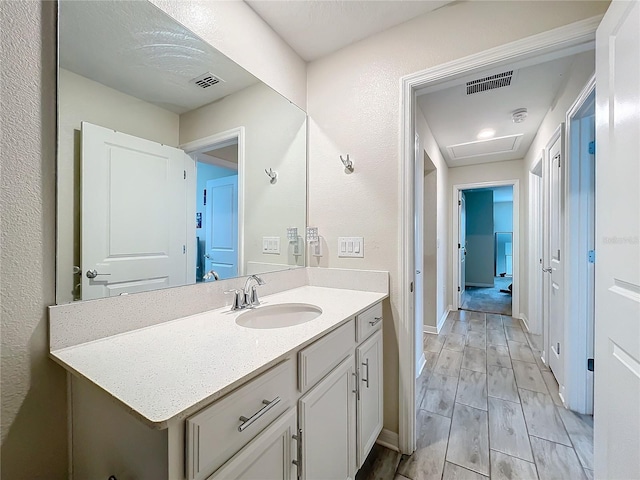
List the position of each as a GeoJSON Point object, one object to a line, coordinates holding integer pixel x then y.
{"type": "Point", "coordinates": [219, 139]}
{"type": "Point", "coordinates": [455, 222]}
{"type": "Point", "coordinates": [536, 253]}
{"type": "Point", "coordinates": [577, 36]}
{"type": "Point", "coordinates": [579, 307]}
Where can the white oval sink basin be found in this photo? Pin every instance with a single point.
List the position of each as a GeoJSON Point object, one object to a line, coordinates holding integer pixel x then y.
{"type": "Point", "coordinates": [278, 316]}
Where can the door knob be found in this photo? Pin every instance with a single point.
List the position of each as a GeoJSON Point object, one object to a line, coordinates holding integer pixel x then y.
{"type": "Point", "coordinates": [547, 270]}
{"type": "Point", "coordinates": [94, 273]}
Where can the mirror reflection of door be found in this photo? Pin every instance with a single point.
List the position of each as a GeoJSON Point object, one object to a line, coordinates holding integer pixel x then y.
{"type": "Point", "coordinates": [217, 227]}
{"type": "Point", "coordinates": [133, 238]}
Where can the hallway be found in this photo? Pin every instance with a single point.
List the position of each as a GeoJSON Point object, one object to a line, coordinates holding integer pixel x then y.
{"type": "Point", "coordinates": [489, 408]}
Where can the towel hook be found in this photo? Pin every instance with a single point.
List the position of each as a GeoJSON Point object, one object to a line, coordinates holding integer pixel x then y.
{"type": "Point", "coordinates": [272, 174]}
{"type": "Point", "coordinates": [348, 164]}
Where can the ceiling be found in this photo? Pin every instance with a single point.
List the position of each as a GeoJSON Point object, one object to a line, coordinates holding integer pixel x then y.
{"type": "Point", "coordinates": [456, 118]}
{"type": "Point", "coordinates": [315, 28]}
{"type": "Point", "coordinates": [137, 49]}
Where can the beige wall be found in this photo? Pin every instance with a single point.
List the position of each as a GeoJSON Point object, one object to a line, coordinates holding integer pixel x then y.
{"type": "Point", "coordinates": [238, 32]}
{"type": "Point", "coordinates": [81, 99]}
{"type": "Point", "coordinates": [33, 426]}
{"type": "Point", "coordinates": [353, 100]}
{"type": "Point", "coordinates": [581, 70]}
{"type": "Point", "coordinates": [275, 133]}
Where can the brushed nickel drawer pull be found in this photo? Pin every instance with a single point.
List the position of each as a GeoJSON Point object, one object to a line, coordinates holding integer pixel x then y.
{"type": "Point", "coordinates": [268, 405]}
{"type": "Point", "coordinates": [366, 380]}
{"type": "Point", "coordinates": [376, 321]}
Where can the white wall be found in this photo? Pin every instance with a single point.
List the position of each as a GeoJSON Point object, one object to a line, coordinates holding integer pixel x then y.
{"type": "Point", "coordinates": [430, 147]}
{"type": "Point", "coordinates": [33, 388]}
{"type": "Point", "coordinates": [579, 74]}
{"type": "Point", "coordinates": [239, 33]}
{"type": "Point", "coordinates": [353, 100]}
{"type": "Point", "coordinates": [275, 134]}
{"type": "Point", "coordinates": [81, 99]}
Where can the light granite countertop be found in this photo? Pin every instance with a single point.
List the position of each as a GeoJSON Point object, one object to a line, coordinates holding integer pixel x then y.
{"type": "Point", "coordinates": [168, 371]}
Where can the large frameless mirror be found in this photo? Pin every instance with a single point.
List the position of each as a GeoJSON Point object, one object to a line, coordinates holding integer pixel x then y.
{"type": "Point", "coordinates": [175, 165]}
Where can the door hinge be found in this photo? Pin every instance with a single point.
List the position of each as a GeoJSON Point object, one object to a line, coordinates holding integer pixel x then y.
{"type": "Point", "coordinates": [459, 289]}
{"type": "Point", "coordinates": [590, 364]}
{"type": "Point", "coordinates": [184, 249]}
{"type": "Point", "coordinates": [458, 245]}
{"type": "Point", "coordinates": [411, 287]}
{"type": "Point", "coordinates": [460, 202]}
{"type": "Point", "coordinates": [184, 176]}
{"type": "Point", "coordinates": [592, 256]}
{"type": "Point", "coordinates": [592, 147]}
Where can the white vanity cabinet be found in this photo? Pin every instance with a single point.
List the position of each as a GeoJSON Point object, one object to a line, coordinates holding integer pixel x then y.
{"type": "Point", "coordinates": [327, 421]}
{"type": "Point", "coordinates": [370, 407]}
{"type": "Point", "coordinates": [269, 456]}
{"type": "Point", "coordinates": [314, 415]}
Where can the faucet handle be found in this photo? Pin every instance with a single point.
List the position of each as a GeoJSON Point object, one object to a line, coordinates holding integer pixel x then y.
{"type": "Point", "coordinates": [254, 300]}
{"type": "Point", "coordinates": [237, 301]}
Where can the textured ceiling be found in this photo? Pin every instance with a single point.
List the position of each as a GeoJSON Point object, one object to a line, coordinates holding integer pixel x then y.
{"type": "Point", "coordinates": [315, 28]}
{"type": "Point", "coordinates": [137, 49]}
{"type": "Point", "coordinates": [456, 118]}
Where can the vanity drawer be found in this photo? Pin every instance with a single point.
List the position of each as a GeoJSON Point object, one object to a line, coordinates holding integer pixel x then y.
{"type": "Point", "coordinates": [216, 433]}
{"type": "Point", "coordinates": [319, 358]}
{"type": "Point", "coordinates": [368, 322]}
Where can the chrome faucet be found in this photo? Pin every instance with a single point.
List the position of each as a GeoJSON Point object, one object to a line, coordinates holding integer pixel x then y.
{"type": "Point", "coordinates": [251, 291]}
{"type": "Point", "coordinates": [211, 274]}
{"type": "Point", "coordinates": [248, 296]}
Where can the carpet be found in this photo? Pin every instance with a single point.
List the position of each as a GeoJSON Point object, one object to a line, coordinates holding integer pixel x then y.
{"type": "Point", "coordinates": [487, 299]}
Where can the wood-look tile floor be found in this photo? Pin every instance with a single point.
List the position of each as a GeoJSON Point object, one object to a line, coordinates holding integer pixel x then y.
{"type": "Point", "coordinates": [489, 408]}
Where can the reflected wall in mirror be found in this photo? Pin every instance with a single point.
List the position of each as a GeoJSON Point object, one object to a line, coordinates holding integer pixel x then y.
{"type": "Point", "coordinates": [163, 157]}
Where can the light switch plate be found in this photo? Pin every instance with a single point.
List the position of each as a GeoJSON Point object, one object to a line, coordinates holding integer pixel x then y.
{"type": "Point", "coordinates": [271, 245]}
{"type": "Point", "coordinates": [351, 247]}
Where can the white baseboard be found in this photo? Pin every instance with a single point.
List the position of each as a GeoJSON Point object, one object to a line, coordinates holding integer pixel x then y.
{"type": "Point", "coordinates": [421, 363]}
{"type": "Point", "coordinates": [524, 319]}
{"type": "Point", "coordinates": [430, 329]}
{"type": "Point", "coordinates": [474, 284]}
{"type": "Point", "coordinates": [444, 317]}
{"type": "Point", "coordinates": [389, 439]}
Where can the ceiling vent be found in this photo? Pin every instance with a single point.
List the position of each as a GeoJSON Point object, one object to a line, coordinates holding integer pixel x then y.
{"type": "Point", "coordinates": [498, 80]}
{"type": "Point", "coordinates": [206, 80]}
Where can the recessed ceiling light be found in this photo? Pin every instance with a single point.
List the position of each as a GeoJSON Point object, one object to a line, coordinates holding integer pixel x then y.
{"type": "Point", "coordinates": [486, 133]}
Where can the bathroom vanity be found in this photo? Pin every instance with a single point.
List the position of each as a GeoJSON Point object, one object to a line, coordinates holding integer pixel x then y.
{"type": "Point", "coordinates": [202, 396]}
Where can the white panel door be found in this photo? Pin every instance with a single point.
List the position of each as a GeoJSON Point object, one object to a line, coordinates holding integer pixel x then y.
{"type": "Point", "coordinates": [133, 214]}
{"type": "Point", "coordinates": [327, 419]}
{"type": "Point", "coordinates": [269, 456]}
{"type": "Point", "coordinates": [617, 299]}
{"type": "Point", "coordinates": [556, 261]}
{"type": "Point", "coordinates": [370, 414]}
{"type": "Point", "coordinates": [462, 246]}
{"type": "Point", "coordinates": [221, 235]}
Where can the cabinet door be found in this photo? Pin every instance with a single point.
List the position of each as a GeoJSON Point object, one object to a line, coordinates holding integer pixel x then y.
{"type": "Point", "coordinates": [328, 426]}
{"type": "Point", "coordinates": [269, 456]}
{"type": "Point", "coordinates": [370, 407]}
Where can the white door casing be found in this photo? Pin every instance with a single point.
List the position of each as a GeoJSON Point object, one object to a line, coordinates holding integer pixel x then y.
{"type": "Point", "coordinates": [419, 254]}
{"type": "Point", "coordinates": [221, 230]}
{"type": "Point", "coordinates": [134, 228]}
{"type": "Point", "coordinates": [462, 247]}
{"type": "Point", "coordinates": [572, 36]}
{"type": "Point", "coordinates": [617, 288]}
{"type": "Point", "coordinates": [555, 257]}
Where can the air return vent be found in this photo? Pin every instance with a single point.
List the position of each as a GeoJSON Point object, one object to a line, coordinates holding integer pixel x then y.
{"type": "Point", "coordinates": [498, 80]}
{"type": "Point", "coordinates": [206, 80]}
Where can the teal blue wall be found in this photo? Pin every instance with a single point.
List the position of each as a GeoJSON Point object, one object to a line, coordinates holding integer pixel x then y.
{"type": "Point", "coordinates": [479, 259]}
{"type": "Point", "coordinates": [503, 222]}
